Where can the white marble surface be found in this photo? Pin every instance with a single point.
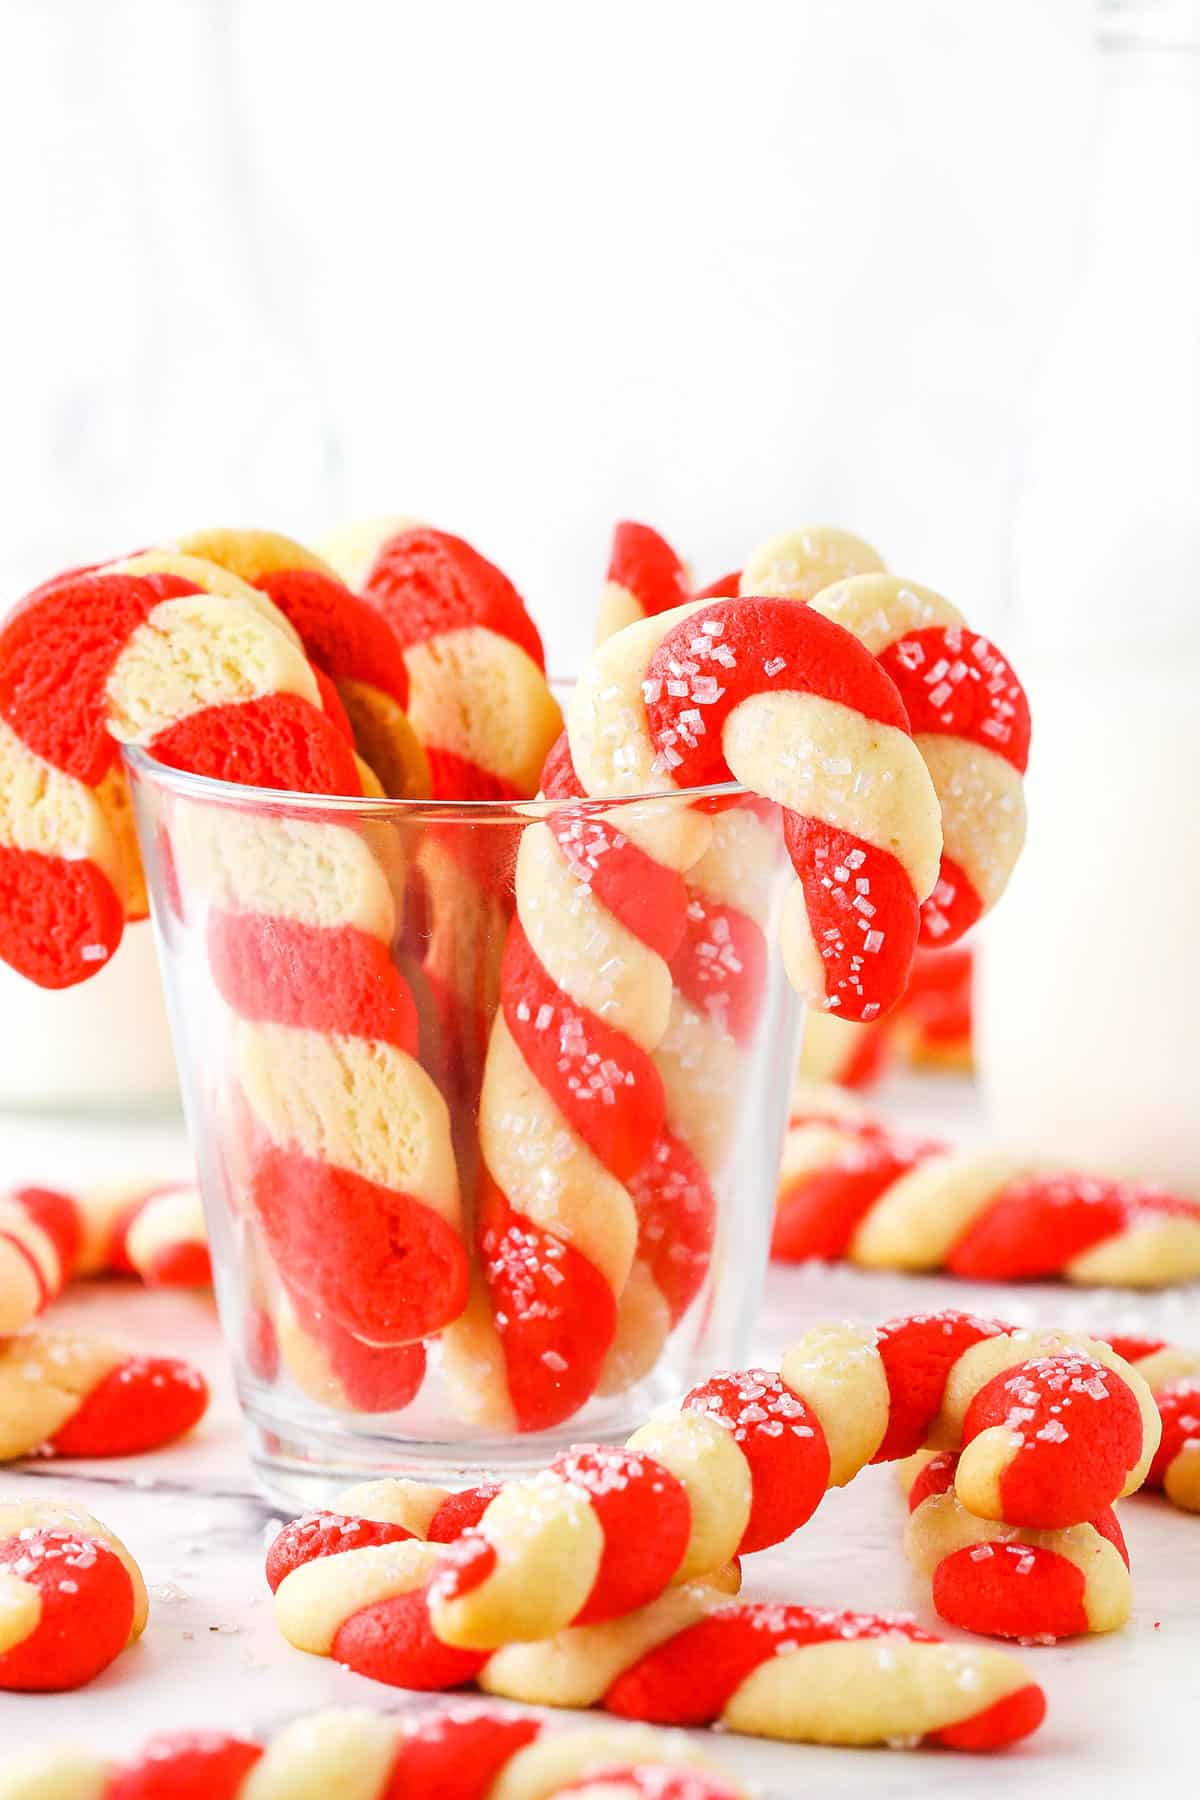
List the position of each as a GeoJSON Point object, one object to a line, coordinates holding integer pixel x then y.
{"type": "Point", "coordinates": [1120, 1708]}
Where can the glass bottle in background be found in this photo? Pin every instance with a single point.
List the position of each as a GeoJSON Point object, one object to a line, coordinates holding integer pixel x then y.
{"type": "Point", "coordinates": [156, 378]}
{"type": "Point", "coordinates": [1089, 990]}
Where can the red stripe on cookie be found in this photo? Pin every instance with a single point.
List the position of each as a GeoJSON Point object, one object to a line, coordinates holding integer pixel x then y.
{"type": "Point", "coordinates": [194, 1765]}
{"type": "Point", "coordinates": [400, 1271]}
{"type": "Point", "coordinates": [676, 1215]}
{"type": "Point", "coordinates": [87, 1608]}
{"type": "Point", "coordinates": [59, 918]}
{"type": "Point", "coordinates": [643, 562]}
{"type": "Point", "coordinates": [342, 981]}
{"type": "Point", "coordinates": [457, 1756]}
{"type": "Point", "coordinates": [783, 1443]}
{"type": "Point", "coordinates": [57, 651]}
{"type": "Point", "coordinates": [1079, 1431]}
{"type": "Point", "coordinates": [607, 1089]}
{"type": "Point", "coordinates": [649, 899]}
{"type": "Point", "coordinates": [918, 1353]}
{"type": "Point", "coordinates": [144, 1402]}
{"type": "Point", "coordinates": [427, 582]}
{"type": "Point", "coordinates": [316, 1535]}
{"type": "Point", "coordinates": [344, 636]}
{"type": "Point", "coordinates": [1011, 1591]}
{"type": "Point", "coordinates": [554, 1312]}
{"type": "Point", "coordinates": [690, 1679]}
{"type": "Point", "coordinates": [278, 741]}
{"type": "Point", "coordinates": [646, 1518]}
{"type": "Point", "coordinates": [955, 683]}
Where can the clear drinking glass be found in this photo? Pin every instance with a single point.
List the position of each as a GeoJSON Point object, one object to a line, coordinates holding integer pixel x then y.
{"type": "Point", "coordinates": [268, 909]}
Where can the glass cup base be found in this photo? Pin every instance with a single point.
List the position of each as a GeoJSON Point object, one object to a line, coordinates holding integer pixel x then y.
{"type": "Point", "coordinates": [302, 1466]}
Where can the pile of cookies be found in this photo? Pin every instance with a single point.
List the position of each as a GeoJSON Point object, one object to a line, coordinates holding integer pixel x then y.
{"type": "Point", "coordinates": [476, 1109]}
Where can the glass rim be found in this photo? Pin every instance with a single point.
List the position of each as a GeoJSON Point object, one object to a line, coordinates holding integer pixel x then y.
{"type": "Point", "coordinates": [233, 793]}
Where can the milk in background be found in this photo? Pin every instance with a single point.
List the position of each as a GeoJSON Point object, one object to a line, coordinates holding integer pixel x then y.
{"type": "Point", "coordinates": [101, 1047]}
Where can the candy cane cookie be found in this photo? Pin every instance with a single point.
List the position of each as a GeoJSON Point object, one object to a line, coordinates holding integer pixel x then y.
{"type": "Point", "coordinates": [69, 1394]}
{"type": "Point", "coordinates": [755, 1452]}
{"type": "Point", "coordinates": [466, 1752]}
{"type": "Point", "coordinates": [1007, 1581]}
{"type": "Point", "coordinates": [348, 1165]}
{"type": "Point", "coordinates": [967, 710]}
{"type": "Point", "coordinates": [691, 1657]}
{"type": "Point", "coordinates": [572, 1104]}
{"type": "Point", "coordinates": [778, 697]}
{"type": "Point", "coordinates": [345, 639]}
{"type": "Point", "coordinates": [478, 698]}
{"type": "Point", "coordinates": [71, 1597]}
{"type": "Point", "coordinates": [481, 706]}
{"type": "Point", "coordinates": [165, 651]}
{"type": "Point", "coordinates": [645, 577]}
{"type": "Point", "coordinates": [48, 1238]}
{"type": "Point", "coordinates": [858, 1191]}
{"type": "Point", "coordinates": [1173, 1375]}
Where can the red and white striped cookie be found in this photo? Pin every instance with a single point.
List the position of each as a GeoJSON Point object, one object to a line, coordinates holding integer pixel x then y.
{"type": "Point", "coordinates": [776, 696]}
{"type": "Point", "coordinates": [165, 651]}
{"type": "Point", "coordinates": [67, 1394]}
{"type": "Point", "coordinates": [1052, 1427]}
{"type": "Point", "coordinates": [47, 1238]}
{"type": "Point", "coordinates": [478, 698]}
{"type": "Point", "coordinates": [857, 1190]}
{"type": "Point", "coordinates": [1173, 1375]}
{"type": "Point", "coordinates": [572, 1104]}
{"type": "Point", "coordinates": [348, 642]}
{"type": "Point", "coordinates": [967, 710]}
{"type": "Point", "coordinates": [1009, 1581]}
{"type": "Point", "coordinates": [347, 1137]}
{"type": "Point", "coordinates": [690, 1658]}
{"type": "Point", "coordinates": [461, 1753]}
{"type": "Point", "coordinates": [71, 1597]}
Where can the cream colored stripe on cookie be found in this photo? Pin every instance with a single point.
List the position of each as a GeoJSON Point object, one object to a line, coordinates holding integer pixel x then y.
{"type": "Point", "coordinates": [838, 1372]}
{"type": "Point", "coordinates": [549, 1544]}
{"type": "Point", "coordinates": [546, 1171]}
{"type": "Point", "coordinates": [198, 651]}
{"type": "Point", "coordinates": [210, 578]}
{"type": "Point", "coordinates": [315, 873]}
{"type": "Point", "coordinates": [348, 1754]}
{"type": "Point", "coordinates": [360, 1104]}
{"type": "Point", "coordinates": [983, 809]}
{"type": "Point", "coordinates": [62, 1774]}
{"type": "Point", "coordinates": [555, 1761]}
{"type": "Point", "coordinates": [20, 1610]}
{"type": "Point", "coordinates": [1158, 1251]}
{"type": "Point", "coordinates": [578, 1667]}
{"type": "Point", "coordinates": [393, 1501]}
{"type": "Point", "coordinates": [480, 696]}
{"type": "Point", "coordinates": [870, 1690]}
{"type": "Point", "coordinates": [618, 607]}
{"type": "Point", "coordinates": [703, 1071]}
{"type": "Point", "coordinates": [826, 761]}
{"type": "Point", "coordinates": [167, 1220]}
{"type": "Point", "coordinates": [50, 813]}
{"type": "Point", "coordinates": [880, 609]}
{"type": "Point", "coordinates": [316, 1599]}
{"type": "Point", "coordinates": [585, 949]}
{"type": "Point", "coordinates": [613, 752]}
{"type": "Point", "coordinates": [43, 1377]}
{"type": "Point", "coordinates": [703, 1455]}
{"type": "Point", "coordinates": [920, 1217]}
{"type": "Point", "coordinates": [798, 564]}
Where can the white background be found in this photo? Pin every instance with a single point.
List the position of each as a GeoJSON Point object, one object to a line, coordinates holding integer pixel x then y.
{"type": "Point", "coordinates": [523, 269]}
